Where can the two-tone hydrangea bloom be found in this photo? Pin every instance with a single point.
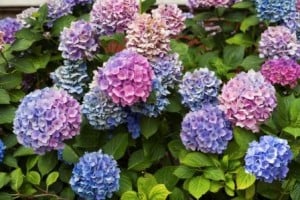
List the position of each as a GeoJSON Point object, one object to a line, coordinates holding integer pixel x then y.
{"type": "Point", "coordinates": [2, 150]}
{"type": "Point", "coordinates": [96, 176]}
{"type": "Point", "coordinates": [279, 41]}
{"type": "Point", "coordinates": [268, 159]}
{"type": "Point", "coordinates": [101, 112]}
{"type": "Point", "coordinates": [1, 41]}
{"type": "Point", "coordinates": [206, 130]}
{"type": "Point", "coordinates": [292, 21]}
{"type": "Point", "coordinates": [248, 100]}
{"type": "Point", "coordinates": [172, 15]}
{"type": "Point", "coordinates": [148, 36]}
{"type": "Point", "coordinates": [133, 124]}
{"type": "Point", "coordinates": [274, 10]}
{"type": "Point", "coordinates": [9, 26]}
{"type": "Point", "coordinates": [199, 87]}
{"type": "Point", "coordinates": [45, 118]}
{"type": "Point", "coordinates": [126, 78]}
{"type": "Point", "coordinates": [168, 69]}
{"type": "Point", "coordinates": [72, 77]}
{"type": "Point", "coordinates": [78, 42]}
{"type": "Point", "coordinates": [113, 16]}
{"type": "Point", "coordinates": [25, 15]}
{"type": "Point", "coordinates": [58, 9]}
{"type": "Point", "coordinates": [210, 3]}
{"type": "Point", "coordinates": [282, 71]}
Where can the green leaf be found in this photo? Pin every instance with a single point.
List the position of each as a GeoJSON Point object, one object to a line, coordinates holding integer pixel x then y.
{"type": "Point", "coordinates": [138, 161]}
{"type": "Point", "coordinates": [159, 192]}
{"type": "Point", "coordinates": [184, 172]}
{"type": "Point", "coordinates": [31, 162]}
{"type": "Point", "coordinates": [68, 193]}
{"type": "Point", "coordinates": [196, 159]}
{"type": "Point", "coordinates": [130, 195]}
{"type": "Point", "coordinates": [252, 20]}
{"type": "Point", "coordinates": [243, 4]}
{"type": "Point", "coordinates": [117, 146]}
{"type": "Point", "coordinates": [10, 140]}
{"type": "Point", "coordinates": [52, 178]}
{"type": "Point", "coordinates": [23, 151]}
{"type": "Point", "coordinates": [10, 81]}
{"type": "Point", "coordinates": [7, 114]}
{"type": "Point", "coordinates": [61, 23]}
{"type": "Point", "coordinates": [198, 186]}
{"type": "Point", "coordinates": [16, 95]}
{"type": "Point", "coordinates": [243, 137]}
{"type": "Point", "coordinates": [149, 126]}
{"type": "Point", "coordinates": [174, 105]}
{"type": "Point", "coordinates": [125, 184]}
{"type": "Point", "coordinates": [4, 97]}
{"type": "Point", "coordinates": [29, 34]}
{"type": "Point", "coordinates": [33, 177]}
{"type": "Point", "coordinates": [69, 155]}
{"type": "Point", "coordinates": [47, 162]}
{"type": "Point", "coordinates": [4, 179]}
{"type": "Point", "coordinates": [215, 174]}
{"type": "Point", "coordinates": [153, 149]}
{"type": "Point", "coordinates": [16, 177]}
{"type": "Point", "coordinates": [295, 193]}
{"type": "Point", "coordinates": [252, 62]}
{"type": "Point", "coordinates": [280, 115]}
{"type": "Point", "coordinates": [240, 39]}
{"type": "Point", "coordinates": [21, 45]}
{"type": "Point", "coordinates": [215, 186]}
{"type": "Point", "coordinates": [233, 55]}
{"type": "Point", "coordinates": [177, 194]}
{"type": "Point", "coordinates": [294, 113]}
{"type": "Point", "coordinates": [146, 5]}
{"type": "Point", "coordinates": [31, 64]}
{"type": "Point", "coordinates": [294, 131]}
{"type": "Point", "coordinates": [243, 179]}
{"type": "Point", "coordinates": [146, 183]}
{"type": "Point", "coordinates": [6, 196]}
{"type": "Point", "coordinates": [175, 146]}
{"type": "Point", "coordinates": [166, 176]}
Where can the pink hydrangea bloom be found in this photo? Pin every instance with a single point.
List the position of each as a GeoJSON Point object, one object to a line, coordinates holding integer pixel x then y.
{"type": "Point", "coordinates": [281, 71]}
{"type": "Point", "coordinates": [248, 100]}
{"type": "Point", "coordinates": [126, 78]}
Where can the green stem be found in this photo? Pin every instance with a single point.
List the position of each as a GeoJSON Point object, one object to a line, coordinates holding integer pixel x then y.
{"type": "Point", "coordinates": [140, 4]}
{"type": "Point", "coordinates": [284, 192]}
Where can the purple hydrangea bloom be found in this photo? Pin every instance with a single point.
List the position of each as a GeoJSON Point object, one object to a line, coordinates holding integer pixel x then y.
{"type": "Point", "coordinates": [113, 16]}
{"type": "Point", "coordinates": [133, 124]}
{"type": "Point", "coordinates": [25, 15]}
{"type": "Point", "coordinates": [58, 9]}
{"type": "Point", "coordinates": [210, 3]}
{"type": "Point", "coordinates": [279, 41]}
{"type": "Point", "coordinates": [198, 88]}
{"type": "Point", "coordinates": [79, 2]}
{"type": "Point", "coordinates": [101, 112]}
{"type": "Point", "coordinates": [206, 130]}
{"type": "Point", "coordinates": [248, 100]}
{"type": "Point", "coordinates": [96, 176]}
{"type": "Point", "coordinates": [45, 118]}
{"type": "Point", "coordinates": [292, 21]}
{"type": "Point", "coordinates": [126, 78]}
{"type": "Point", "coordinates": [9, 26]}
{"type": "Point", "coordinates": [268, 159]}
{"type": "Point", "coordinates": [72, 77]}
{"type": "Point", "coordinates": [78, 42]}
{"type": "Point", "coordinates": [2, 150]}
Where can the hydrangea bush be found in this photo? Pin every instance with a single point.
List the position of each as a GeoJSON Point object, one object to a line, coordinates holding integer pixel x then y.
{"type": "Point", "coordinates": [132, 100]}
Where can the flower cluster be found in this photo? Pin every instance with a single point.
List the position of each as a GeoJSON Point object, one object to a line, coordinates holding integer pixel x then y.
{"type": "Point", "coordinates": [172, 15]}
{"type": "Point", "coordinates": [279, 41]}
{"type": "Point", "coordinates": [72, 77]}
{"type": "Point", "coordinates": [78, 42]}
{"type": "Point", "coordinates": [275, 10]}
{"type": "Point", "coordinates": [268, 159]}
{"type": "Point", "coordinates": [198, 88]}
{"type": "Point", "coordinates": [281, 71]}
{"type": "Point", "coordinates": [1, 41]}
{"type": "Point", "coordinates": [206, 130]}
{"type": "Point", "coordinates": [292, 21]}
{"type": "Point", "coordinates": [133, 124]}
{"type": "Point", "coordinates": [79, 2]}
{"type": "Point", "coordinates": [113, 17]}
{"type": "Point", "coordinates": [9, 26]}
{"type": "Point", "coordinates": [25, 15]}
{"type": "Point", "coordinates": [45, 118]}
{"type": "Point", "coordinates": [126, 78]}
{"type": "Point", "coordinates": [2, 150]}
{"type": "Point", "coordinates": [95, 176]}
{"type": "Point", "coordinates": [298, 5]}
{"type": "Point", "coordinates": [210, 3]}
{"type": "Point", "coordinates": [148, 36]}
{"type": "Point", "coordinates": [101, 112]}
{"type": "Point", "coordinates": [248, 99]}
{"type": "Point", "coordinates": [57, 9]}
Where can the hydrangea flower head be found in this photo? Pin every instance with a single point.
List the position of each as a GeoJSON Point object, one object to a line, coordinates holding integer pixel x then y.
{"type": "Point", "coordinates": [248, 100]}
{"type": "Point", "coordinates": [206, 130]}
{"type": "Point", "coordinates": [78, 42]}
{"type": "Point", "coordinates": [113, 16]}
{"type": "Point", "coordinates": [58, 9]}
{"type": "Point", "coordinates": [79, 2]}
{"type": "Point", "coordinates": [2, 150]}
{"type": "Point", "coordinates": [72, 77]}
{"type": "Point", "coordinates": [148, 36]}
{"type": "Point", "coordinates": [126, 78]}
{"type": "Point", "coordinates": [210, 3]}
{"type": "Point", "coordinates": [268, 159]}
{"type": "Point", "coordinates": [298, 5]}
{"type": "Point", "coordinates": [282, 71]}
{"type": "Point", "coordinates": [9, 26]}
{"type": "Point", "coordinates": [95, 176]}
{"type": "Point", "coordinates": [25, 14]}
{"type": "Point", "coordinates": [279, 41]}
{"type": "Point", "coordinates": [45, 118]}
{"type": "Point", "coordinates": [133, 124]}
{"type": "Point", "coordinates": [292, 21]}
{"type": "Point", "coordinates": [172, 15]}
{"type": "Point", "coordinates": [199, 87]}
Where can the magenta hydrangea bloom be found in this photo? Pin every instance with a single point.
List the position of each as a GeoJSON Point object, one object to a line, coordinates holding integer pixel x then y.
{"type": "Point", "coordinates": [78, 42]}
{"type": "Point", "coordinates": [283, 71]}
{"type": "Point", "coordinates": [148, 36]}
{"type": "Point", "coordinates": [45, 118]}
{"type": "Point", "coordinates": [210, 3]}
{"type": "Point", "coordinates": [248, 100]}
{"type": "Point", "coordinates": [126, 78]}
{"type": "Point", "coordinates": [113, 16]}
{"type": "Point", "coordinates": [172, 15]}
{"type": "Point", "coordinates": [279, 41]}
{"type": "Point", "coordinates": [9, 26]}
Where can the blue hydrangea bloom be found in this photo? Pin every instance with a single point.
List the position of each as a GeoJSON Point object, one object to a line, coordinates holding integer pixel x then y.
{"type": "Point", "coordinates": [9, 26]}
{"type": "Point", "coordinates": [206, 130]}
{"type": "Point", "coordinates": [133, 125]}
{"type": "Point", "coordinates": [2, 150]}
{"type": "Point", "coordinates": [79, 2]}
{"type": "Point", "coordinates": [96, 176]}
{"type": "Point", "coordinates": [268, 159]}
{"type": "Point", "coordinates": [198, 88]}
{"type": "Point", "coordinates": [274, 10]}
{"type": "Point", "coordinates": [101, 112]}
{"type": "Point", "coordinates": [72, 77]}
{"type": "Point", "coordinates": [58, 9]}
{"type": "Point", "coordinates": [292, 21]}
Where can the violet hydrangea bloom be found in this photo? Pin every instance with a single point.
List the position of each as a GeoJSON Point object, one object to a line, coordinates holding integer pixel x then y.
{"type": "Point", "coordinates": [279, 41]}
{"type": "Point", "coordinates": [45, 118]}
{"type": "Point", "coordinates": [172, 15]}
{"type": "Point", "coordinates": [58, 9]}
{"type": "Point", "coordinates": [198, 88]}
{"type": "Point", "coordinates": [292, 21]}
{"type": "Point", "coordinates": [268, 159]}
{"type": "Point", "coordinates": [248, 100]}
{"type": "Point", "coordinates": [148, 36]}
{"type": "Point", "coordinates": [298, 5]}
{"type": "Point", "coordinates": [126, 78]}
{"type": "Point", "coordinates": [210, 3]}
{"type": "Point", "coordinates": [206, 130]}
{"type": "Point", "coordinates": [78, 42]}
{"type": "Point", "coordinates": [79, 2]}
{"type": "Point", "coordinates": [2, 150]}
{"type": "Point", "coordinates": [9, 26]}
{"type": "Point", "coordinates": [113, 16]}
{"type": "Point", "coordinates": [96, 176]}
{"type": "Point", "coordinates": [26, 14]}
{"type": "Point", "coordinates": [282, 71]}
